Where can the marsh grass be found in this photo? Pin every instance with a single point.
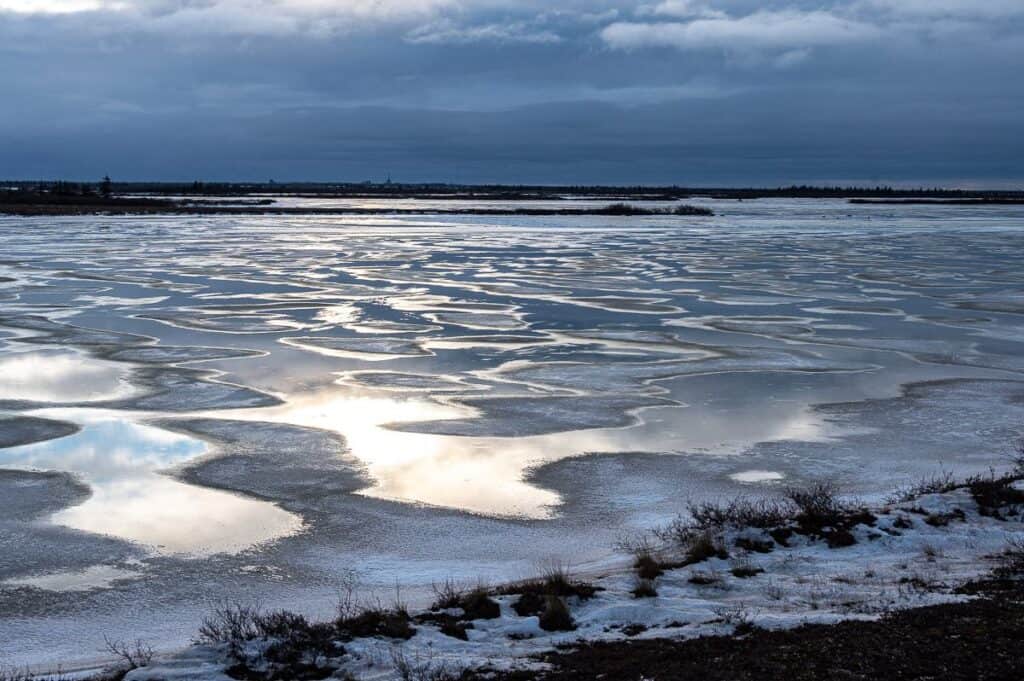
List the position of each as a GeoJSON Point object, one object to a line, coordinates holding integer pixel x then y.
{"type": "Point", "coordinates": [296, 648]}
{"type": "Point", "coordinates": [644, 588]}
{"type": "Point", "coordinates": [996, 495]}
{"type": "Point", "coordinates": [706, 578]}
{"type": "Point", "coordinates": [744, 569]}
{"type": "Point", "coordinates": [12, 674]}
{"type": "Point", "coordinates": [816, 510]}
{"type": "Point", "coordinates": [418, 667]}
{"type": "Point", "coordinates": [817, 504]}
{"type": "Point", "coordinates": [556, 615]}
{"type": "Point", "coordinates": [738, 616]}
{"type": "Point", "coordinates": [447, 595]}
{"type": "Point", "coordinates": [940, 483]}
{"type": "Point", "coordinates": [1011, 560]}
{"type": "Point", "coordinates": [555, 580]}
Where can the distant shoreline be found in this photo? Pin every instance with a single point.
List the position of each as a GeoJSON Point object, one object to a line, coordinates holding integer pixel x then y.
{"type": "Point", "coordinates": [29, 204]}
{"type": "Point", "coordinates": [991, 201]}
{"type": "Point", "coordinates": [488, 192]}
{"type": "Point", "coordinates": [141, 198]}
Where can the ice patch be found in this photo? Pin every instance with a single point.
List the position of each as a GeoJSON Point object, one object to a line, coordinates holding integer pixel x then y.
{"type": "Point", "coordinates": [228, 323]}
{"type": "Point", "coordinates": [387, 380]}
{"type": "Point", "coordinates": [338, 315]}
{"type": "Point", "coordinates": [130, 500]}
{"type": "Point", "coordinates": [23, 430]}
{"type": "Point", "coordinates": [478, 320]}
{"type": "Point", "coordinates": [169, 354]}
{"type": "Point", "coordinates": [384, 326]}
{"type": "Point", "coordinates": [525, 416]}
{"type": "Point", "coordinates": [371, 349]}
{"type": "Point", "coordinates": [754, 476]}
{"type": "Point", "coordinates": [94, 577]}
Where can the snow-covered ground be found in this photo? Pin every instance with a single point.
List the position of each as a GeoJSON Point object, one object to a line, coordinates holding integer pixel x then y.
{"type": "Point", "coordinates": [915, 553]}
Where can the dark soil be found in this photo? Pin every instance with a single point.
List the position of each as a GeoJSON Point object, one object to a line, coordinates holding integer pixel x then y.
{"type": "Point", "coordinates": [979, 640]}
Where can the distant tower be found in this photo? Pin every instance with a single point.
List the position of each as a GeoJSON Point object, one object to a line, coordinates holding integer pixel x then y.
{"type": "Point", "coordinates": [388, 182]}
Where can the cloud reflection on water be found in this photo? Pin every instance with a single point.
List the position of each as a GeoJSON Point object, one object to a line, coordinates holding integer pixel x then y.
{"type": "Point", "coordinates": [121, 461]}
{"type": "Point", "coordinates": [61, 376]}
{"type": "Point", "coordinates": [486, 475]}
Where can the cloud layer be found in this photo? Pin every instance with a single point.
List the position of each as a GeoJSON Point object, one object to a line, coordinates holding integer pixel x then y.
{"type": "Point", "coordinates": [760, 30]}
{"type": "Point", "coordinates": [582, 87]}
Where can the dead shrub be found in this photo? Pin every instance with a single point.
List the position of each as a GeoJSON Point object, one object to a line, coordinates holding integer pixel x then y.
{"type": "Point", "coordinates": [940, 483]}
{"type": "Point", "coordinates": [556, 615]}
{"type": "Point", "coordinates": [744, 569]}
{"type": "Point", "coordinates": [740, 513]}
{"type": "Point", "coordinates": [817, 504]}
{"type": "Point", "coordinates": [478, 605]}
{"type": "Point", "coordinates": [1011, 560]}
{"type": "Point", "coordinates": [996, 495]}
{"type": "Point", "coordinates": [706, 578]}
{"type": "Point", "coordinates": [555, 581]}
{"type": "Point", "coordinates": [644, 589]}
{"type": "Point", "coordinates": [231, 624]}
{"type": "Point", "coordinates": [703, 546]}
{"type": "Point", "coordinates": [131, 655]}
{"type": "Point", "coordinates": [446, 595]}
{"type": "Point", "coordinates": [386, 623]}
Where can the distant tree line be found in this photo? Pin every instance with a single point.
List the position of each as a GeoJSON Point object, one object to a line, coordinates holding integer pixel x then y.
{"type": "Point", "coordinates": [104, 187]}
{"type": "Point", "coordinates": [107, 187]}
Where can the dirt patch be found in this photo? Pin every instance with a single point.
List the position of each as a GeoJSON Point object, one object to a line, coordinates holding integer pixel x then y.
{"type": "Point", "coordinates": [980, 639]}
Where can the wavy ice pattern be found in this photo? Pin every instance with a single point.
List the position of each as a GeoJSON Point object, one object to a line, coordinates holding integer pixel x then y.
{"type": "Point", "coordinates": [203, 407]}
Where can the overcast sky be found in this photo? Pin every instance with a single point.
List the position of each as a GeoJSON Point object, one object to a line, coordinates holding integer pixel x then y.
{"type": "Point", "coordinates": [563, 91]}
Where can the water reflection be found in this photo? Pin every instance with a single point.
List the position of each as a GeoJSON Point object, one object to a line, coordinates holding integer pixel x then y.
{"type": "Point", "coordinates": [61, 376]}
{"type": "Point", "coordinates": [754, 476]}
{"type": "Point", "coordinates": [486, 474]}
{"type": "Point", "coordinates": [94, 577]}
{"type": "Point", "coordinates": [121, 461]}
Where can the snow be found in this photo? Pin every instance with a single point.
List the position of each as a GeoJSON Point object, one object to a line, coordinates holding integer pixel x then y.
{"type": "Point", "coordinates": [888, 568]}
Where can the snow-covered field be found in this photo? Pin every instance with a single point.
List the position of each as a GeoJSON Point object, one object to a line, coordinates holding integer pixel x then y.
{"type": "Point", "coordinates": [911, 553]}
{"type": "Point", "coordinates": [256, 408]}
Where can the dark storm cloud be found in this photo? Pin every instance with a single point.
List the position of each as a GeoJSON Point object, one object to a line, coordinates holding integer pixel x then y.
{"type": "Point", "coordinates": [679, 90]}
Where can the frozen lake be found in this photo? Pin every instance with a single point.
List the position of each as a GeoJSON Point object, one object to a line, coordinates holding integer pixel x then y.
{"type": "Point", "coordinates": [252, 408]}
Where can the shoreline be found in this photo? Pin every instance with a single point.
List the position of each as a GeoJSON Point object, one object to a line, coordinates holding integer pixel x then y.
{"type": "Point", "coordinates": [751, 583]}
{"type": "Point", "coordinates": [44, 205]}
{"type": "Point", "coordinates": [40, 211]}
{"type": "Point", "coordinates": [939, 202]}
{"type": "Point", "coordinates": [498, 192]}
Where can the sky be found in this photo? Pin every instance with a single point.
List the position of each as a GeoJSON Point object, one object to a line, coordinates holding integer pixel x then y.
{"type": "Point", "coordinates": [693, 92]}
